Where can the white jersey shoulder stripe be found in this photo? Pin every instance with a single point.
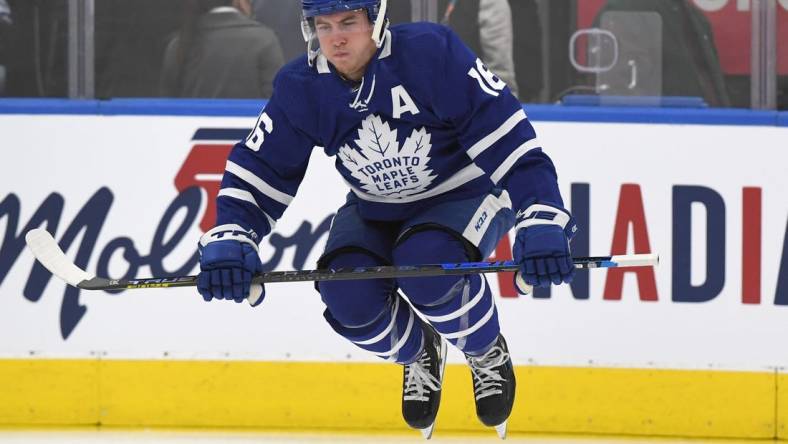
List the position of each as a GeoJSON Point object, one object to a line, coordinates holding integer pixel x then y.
{"type": "Point", "coordinates": [261, 186]}
{"type": "Point", "coordinates": [488, 141]}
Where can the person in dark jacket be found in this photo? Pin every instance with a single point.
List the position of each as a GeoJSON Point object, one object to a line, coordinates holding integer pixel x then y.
{"type": "Point", "coordinates": [130, 39]}
{"type": "Point", "coordinates": [284, 17]}
{"type": "Point", "coordinates": [5, 24]}
{"type": "Point", "coordinates": [221, 53]}
{"type": "Point", "coordinates": [527, 52]}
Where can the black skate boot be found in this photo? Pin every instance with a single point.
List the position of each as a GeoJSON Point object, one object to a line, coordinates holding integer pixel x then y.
{"type": "Point", "coordinates": [493, 386]}
{"type": "Point", "coordinates": [421, 388]}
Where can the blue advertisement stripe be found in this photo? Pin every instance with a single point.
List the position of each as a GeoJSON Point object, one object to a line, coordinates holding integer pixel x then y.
{"type": "Point", "coordinates": [251, 108]}
{"type": "Point", "coordinates": [221, 134]}
{"type": "Point", "coordinates": [642, 101]}
{"type": "Point", "coordinates": [653, 115]}
{"type": "Point", "coordinates": [182, 107]}
{"type": "Point", "coordinates": [48, 106]}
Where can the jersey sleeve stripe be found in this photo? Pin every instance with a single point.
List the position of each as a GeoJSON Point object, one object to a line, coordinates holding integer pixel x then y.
{"type": "Point", "coordinates": [249, 177]}
{"type": "Point", "coordinates": [510, 161]}
{"type": "Point", "coordinates": [246, 196]}
{"type": "Point", "coordinates": [496, 135]}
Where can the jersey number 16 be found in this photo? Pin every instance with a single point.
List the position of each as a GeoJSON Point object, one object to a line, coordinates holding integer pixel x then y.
{"type": "Point", "coordinates": [487, 80]}
{"type": "Point", "coordinates": [264, 125]}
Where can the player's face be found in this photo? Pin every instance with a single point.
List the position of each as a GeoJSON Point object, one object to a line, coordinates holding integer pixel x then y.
{"type": "Point", "coordinates": [346, 41]}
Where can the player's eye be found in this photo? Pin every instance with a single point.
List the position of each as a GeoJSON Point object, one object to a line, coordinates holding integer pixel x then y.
{"type": "Point", "coordinates": [352, 25]}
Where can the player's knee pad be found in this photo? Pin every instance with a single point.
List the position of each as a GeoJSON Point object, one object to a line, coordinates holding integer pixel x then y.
{"type": "Point", "coordinates": [356, 303]}
{"type": "Point", "coordinates": [429, 247]}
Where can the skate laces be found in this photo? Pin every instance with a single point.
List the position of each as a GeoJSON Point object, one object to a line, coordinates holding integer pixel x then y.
{"type": "Point", "coordinates": [486, 377]}
{"type": "Point", "coordinates": [418, 378]}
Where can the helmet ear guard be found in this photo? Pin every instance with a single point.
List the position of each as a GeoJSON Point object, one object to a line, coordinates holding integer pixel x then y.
{"type": "Point", "coordinates": [310, 37]}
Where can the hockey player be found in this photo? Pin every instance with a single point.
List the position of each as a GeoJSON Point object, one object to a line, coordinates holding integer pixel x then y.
{"type": "Point", "coordinates": [441, 162]}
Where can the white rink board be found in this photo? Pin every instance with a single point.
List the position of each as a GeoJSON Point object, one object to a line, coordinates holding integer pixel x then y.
{"type": "Point", "coordinates": [137, 159]}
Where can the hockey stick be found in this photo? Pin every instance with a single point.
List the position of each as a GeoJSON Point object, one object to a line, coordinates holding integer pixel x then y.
{"type": "Point", "coordinates": [47, 251]}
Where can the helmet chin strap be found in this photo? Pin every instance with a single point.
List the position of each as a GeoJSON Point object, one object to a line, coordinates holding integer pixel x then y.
{"type": "Point", "coordinates": [377, 34]}
{"type": "Point", "coordinates": [312, 53]}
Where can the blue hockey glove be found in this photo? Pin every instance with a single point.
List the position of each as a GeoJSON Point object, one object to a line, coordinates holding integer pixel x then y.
{"type": "Point", "coordinates": [541, 247]}
{"type": "Point", "coordinates": [228, 261]}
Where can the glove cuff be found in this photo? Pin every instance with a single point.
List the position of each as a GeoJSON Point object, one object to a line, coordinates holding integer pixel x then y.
{"type": "Point", "coordinates": [230, 232]}
{"type": "Point", "coordinates": [540, 214]}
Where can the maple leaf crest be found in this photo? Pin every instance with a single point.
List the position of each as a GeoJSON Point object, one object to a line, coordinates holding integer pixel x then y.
{"type": "Point", "coordinates": [383, 167]}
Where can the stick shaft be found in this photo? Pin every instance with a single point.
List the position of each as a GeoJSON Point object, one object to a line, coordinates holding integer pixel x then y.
{"type": "Point", "coordinates": [383, 272]}
{"type": "Point", "coordinates": [49, 253]}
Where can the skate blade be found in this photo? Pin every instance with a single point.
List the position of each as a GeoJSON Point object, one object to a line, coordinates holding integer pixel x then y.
{"type": "Point", "coordinates": [501, 430]}
{"type": "Point", "coordinates": [427, 433]}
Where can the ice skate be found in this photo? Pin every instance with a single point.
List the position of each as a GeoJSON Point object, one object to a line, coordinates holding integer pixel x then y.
{"type": "Point", "coordinates": [421, 388]}
{"type": "Point", "coordinates": [493, 386]}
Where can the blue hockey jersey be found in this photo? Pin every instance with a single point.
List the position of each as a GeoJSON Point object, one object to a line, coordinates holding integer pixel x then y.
{"type": "Point", "coordinates": [428, 123]}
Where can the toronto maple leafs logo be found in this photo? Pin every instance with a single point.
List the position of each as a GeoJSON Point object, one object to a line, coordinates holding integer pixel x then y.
{"type": "Point", "coordinates": [382, 166]}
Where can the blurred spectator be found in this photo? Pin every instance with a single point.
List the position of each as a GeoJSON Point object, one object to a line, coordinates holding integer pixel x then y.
{"type": "Point", "coordinates": [690, 63]}
{"type": "Point", "coordinates": [221, 53]}
{"type": "Point", "coordinates": [484, 25]}
{"type": "Point", "coordinates": [37, 49]}
{"type": "Point", "coordinates": [284, 17]}
{"type": "Point", "coordinates": [497, 39]}
{"type": "Point", "coordinates": [527, 46]}
{"type": "Point", "coordinates": [782, 93]}
{"type": "Point", "coordinates": [5, 13]}
{"type": "Point", "coordinates": [130, 40]}
{"type": "Point", "coordinates": [5, 24]}
{"type": "Point", "coordinates": [400, 11]}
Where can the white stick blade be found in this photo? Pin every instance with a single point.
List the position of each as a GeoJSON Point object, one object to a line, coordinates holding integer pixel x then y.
{"type": "Point", "coordinates": [636, 260]}
{"type": "Point", "coordinates": [47, 251]}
